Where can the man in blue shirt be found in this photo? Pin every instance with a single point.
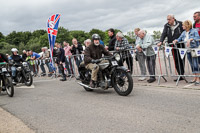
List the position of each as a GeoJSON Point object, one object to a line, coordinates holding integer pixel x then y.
{"type": "Point", "coordinates": [34, 56]}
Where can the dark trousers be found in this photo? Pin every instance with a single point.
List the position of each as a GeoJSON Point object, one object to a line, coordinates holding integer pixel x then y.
{"type": "Point", "coordinates": [151, 65]}
{"type": "Point", "coordinates": [179, 63]}
{"type": "Point", "coordinates": [61, 68]}
{"type": "Point", "coordinates": [129, 62]}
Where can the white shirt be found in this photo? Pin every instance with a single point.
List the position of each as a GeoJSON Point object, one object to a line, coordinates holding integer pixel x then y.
{"type": "Point", "coordinates": [186, 37]}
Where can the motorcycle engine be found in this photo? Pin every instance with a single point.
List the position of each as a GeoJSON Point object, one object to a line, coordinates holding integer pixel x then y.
{"type": "Point", "coordinates": [105, 84]}
{"type": "Point", "coordinates": [19, 68]}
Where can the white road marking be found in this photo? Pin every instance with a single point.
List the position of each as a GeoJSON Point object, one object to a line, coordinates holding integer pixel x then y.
{"type": "Point", "coordinates": [188, 85]}
{"type": "Point", "coordinates": [24, 86]}
{"type": "Point", "coordinates": [44, 80]}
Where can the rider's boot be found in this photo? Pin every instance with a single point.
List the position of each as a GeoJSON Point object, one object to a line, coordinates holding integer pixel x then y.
{"type": "Point", "coordinates": [92, 84]}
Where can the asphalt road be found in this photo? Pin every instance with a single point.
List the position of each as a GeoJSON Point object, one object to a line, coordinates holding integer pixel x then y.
{"type": "Point", "coordinates": [65, 107]}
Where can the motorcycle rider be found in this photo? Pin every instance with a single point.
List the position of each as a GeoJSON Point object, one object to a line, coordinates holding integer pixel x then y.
{"type": "Point", "coordinates": [17, 59]}
{"type": "Point", "coordinates": [92, 53]}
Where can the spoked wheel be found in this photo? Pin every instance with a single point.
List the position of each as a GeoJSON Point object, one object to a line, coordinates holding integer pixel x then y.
{"type": "Point", "coordinates": [122, 82]}
{"type": "Point", "coordinates": [29, 80]}
{"type": "Point", "coordinates": [9, 86]}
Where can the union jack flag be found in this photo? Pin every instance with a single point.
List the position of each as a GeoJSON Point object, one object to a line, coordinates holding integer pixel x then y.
{"type": "Point", "coordinates": [52, 30]}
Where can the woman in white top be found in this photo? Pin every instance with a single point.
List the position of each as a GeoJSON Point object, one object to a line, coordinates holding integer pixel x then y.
{"type": "Point", "coordinates": [191, 38]}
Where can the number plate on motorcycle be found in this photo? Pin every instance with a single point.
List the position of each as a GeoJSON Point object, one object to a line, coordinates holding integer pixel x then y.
{"type": "Point", "coordinates": [4, 70]}
{"type": "Point", "coordinates": [114, 63]}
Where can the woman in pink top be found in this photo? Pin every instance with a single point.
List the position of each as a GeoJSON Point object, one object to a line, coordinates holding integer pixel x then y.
{"type": "Point", "coordinates": [68, 63]}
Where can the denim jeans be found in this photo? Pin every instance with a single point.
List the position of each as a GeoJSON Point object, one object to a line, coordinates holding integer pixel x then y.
{"type": "Point", "coordinates": [194, 63]}
{"type": "Point", "coordinates": [67, 65]}
{"type": "Point", "coordinates": [13, 69]}
{"type": "Point", "coordinates": [48, 66]}
{"type": "Point", "coordinates": [78, 60]}
{"type": "Point", "coordinates": [42, 67]}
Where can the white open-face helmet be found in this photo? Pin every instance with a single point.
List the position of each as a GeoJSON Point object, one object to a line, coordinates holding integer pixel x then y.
{"type": "Point", "coordinates": [14, 50]}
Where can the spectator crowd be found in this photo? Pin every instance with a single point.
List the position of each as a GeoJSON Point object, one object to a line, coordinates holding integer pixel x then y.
{"type": "Point", "coordinates": [178, 34]}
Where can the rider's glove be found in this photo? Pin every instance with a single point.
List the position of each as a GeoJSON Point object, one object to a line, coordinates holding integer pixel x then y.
{"type": "Point", "coordinates": [95, 61]}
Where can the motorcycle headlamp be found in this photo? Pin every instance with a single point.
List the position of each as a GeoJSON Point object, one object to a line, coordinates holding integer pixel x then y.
{"type": "Point", "coordinates": [25, 64]}
{"type": "Point", "coordinates": [117, 57]}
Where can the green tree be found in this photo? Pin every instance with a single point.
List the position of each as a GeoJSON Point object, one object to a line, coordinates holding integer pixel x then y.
{"type": "Point", "coordinates": [34, 44]}
{"type": "Point", "coordinates": [63, 35]}
{"type": "Point", "coordinates": [38, 33]}
{"type": "Point", "coordinates": [156, 35]}
{"type": "Point", "coordinates": [22, 47]}
{"type": "Point", "coordinates": [81, 36]}
{"type": "Point", "coordinates": [7, 48]}
{"type": "Point", "coordinates": [14, 38]}
{"type": "Point", "coordinates": [2, 37]}
{"type": "Point", "coordinates": [43, 40]}
{"type": "Point", "coordinates": [26, 36]}
{"type": "Point", "coordinates": [131, 36]}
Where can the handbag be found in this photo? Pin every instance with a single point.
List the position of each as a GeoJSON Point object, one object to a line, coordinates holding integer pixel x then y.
{"type": "Point", "coordinates": [193, 52]}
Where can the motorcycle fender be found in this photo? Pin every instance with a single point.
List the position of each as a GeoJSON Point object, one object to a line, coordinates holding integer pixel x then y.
{"type": "Point", "coordinates": [7, 74]}
{"type": "Point", "coordinates": [24, 75]}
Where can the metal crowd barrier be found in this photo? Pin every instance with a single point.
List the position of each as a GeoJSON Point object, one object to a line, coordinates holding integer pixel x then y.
{"type": "Point", "coordinates": [139, 66]}
{"type": "Point", "coordinates": [72, 61]}
{"type": "Point", "coordinates": [165, 63]}
{"type": "Point", "coordinates": [178, 63]}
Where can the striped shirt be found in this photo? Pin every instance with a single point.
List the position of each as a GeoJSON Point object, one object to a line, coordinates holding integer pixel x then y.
{"type": "Point", "coordinates": [123, 46]}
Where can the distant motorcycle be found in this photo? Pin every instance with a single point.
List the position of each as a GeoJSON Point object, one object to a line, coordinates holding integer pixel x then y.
{"type": "Point", "coordinates": [6, 80]}
{"type": "Point", "coordinates": [110, 75]}
{"type": "Point", "coordinates": [23, 73]}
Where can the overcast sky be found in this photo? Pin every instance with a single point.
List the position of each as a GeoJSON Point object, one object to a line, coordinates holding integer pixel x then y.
{"type": "Point", "coordinates": [30, 15]}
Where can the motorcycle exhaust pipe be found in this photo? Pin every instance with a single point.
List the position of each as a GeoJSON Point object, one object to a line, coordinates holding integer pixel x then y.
{"type": "Point", "coordinates": [84, 85]}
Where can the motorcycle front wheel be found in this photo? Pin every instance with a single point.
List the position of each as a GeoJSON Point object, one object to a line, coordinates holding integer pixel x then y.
{"type": "Point", "coordinates": [29, 79]}
{"type": "Point", "coordinates": [122, 82]}
{"type": "Point", "coordinates": [9, 86]}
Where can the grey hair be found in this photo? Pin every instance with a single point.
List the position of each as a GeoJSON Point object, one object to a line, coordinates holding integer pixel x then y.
{"type": "Point", "coordinates": [171, 15]}
{"type": "Point", "coordinates": [88, 40]}
{"type": "Point", "coordinates": [142, 31]}
{"type": "Point", "coordinates": [45, 48]}
{"type": "Point", "coordinates": [119, 34]}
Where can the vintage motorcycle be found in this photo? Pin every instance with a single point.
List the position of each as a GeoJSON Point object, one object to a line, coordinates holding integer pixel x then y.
{"type": "Point", "coordinates": [6, 79]}
{"type": "Point", "coordinates": [23, 73]}
{"type": "Point", "coordinates": [110, 75]}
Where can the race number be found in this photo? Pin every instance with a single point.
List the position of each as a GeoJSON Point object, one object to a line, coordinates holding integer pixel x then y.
{"type": "Point", "coordinates": [114, 63]}
{"type": "Point", "coordinates": [4, 70]}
